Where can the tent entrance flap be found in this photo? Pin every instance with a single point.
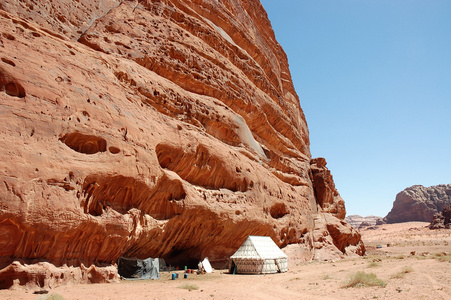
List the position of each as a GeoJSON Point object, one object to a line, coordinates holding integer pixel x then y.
{"type": "Point", "coordinates": [205, 264]}
{"type": "Point", "coordinates": [134, 268]}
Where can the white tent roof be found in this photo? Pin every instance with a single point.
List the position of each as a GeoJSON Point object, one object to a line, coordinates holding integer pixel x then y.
{"type": "Point", "coordinates": [259, 247]}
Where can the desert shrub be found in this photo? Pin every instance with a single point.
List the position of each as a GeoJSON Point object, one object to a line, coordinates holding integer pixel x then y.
{"type": "Point", "coordinates": [362, 279]}
{"type": "Point", "coordinates": [189, 286]}
{"type": "Point", "coordinates": [443, 257]}
{"type": "Point", "coordinates": [374, 257]}
{"type": "Point", "coordinates": [326, 277]}
{"type": "Point", "coordinates": [51, 297]}
{"type": "Point", "coordinates": [421, 257]}
{"type": "Point", "coordinates": [403, 272]}
{"type": "Point", "coordinates": [398, 275]}
{"type": "Point", "coordinates": [400, 256]}
{"type": "Point", "coordinates": [373, 264]}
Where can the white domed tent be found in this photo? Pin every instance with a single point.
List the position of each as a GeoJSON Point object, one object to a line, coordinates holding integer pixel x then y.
{"type": "Point", "coordinates": [258, 255]}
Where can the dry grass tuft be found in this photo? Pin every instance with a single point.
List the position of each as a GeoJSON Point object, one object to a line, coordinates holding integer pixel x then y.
{"type": "Point", "coordinates": [373, 264]}
{"type": "Point", "coordinates": [400, 256]}
{"type": "Point", "coordinates": [51, 297]}
{"type": "Point", "coordinates": [443, 257]}
{"type": "Point", "coordinates": [402, 273]}
{"type": "Point", "coordinates": [362, 279]}
{"type": "Point", "coordinates": [188, 286]}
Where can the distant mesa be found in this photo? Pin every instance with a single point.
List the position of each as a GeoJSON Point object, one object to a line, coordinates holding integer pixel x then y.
{"type": "Point", "coordinates": [364, 225]}
{"type": "Point", "coordinates": [359, 222]}
{"type": "Point", "coordinates": [419, 203]}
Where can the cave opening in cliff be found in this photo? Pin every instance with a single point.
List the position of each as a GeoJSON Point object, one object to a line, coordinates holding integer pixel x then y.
{"type": "Point", "coordinates": [179, 258]}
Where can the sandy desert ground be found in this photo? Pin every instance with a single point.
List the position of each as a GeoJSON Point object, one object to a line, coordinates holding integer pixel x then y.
{"type": "Point", "coordinates": [423, 274]}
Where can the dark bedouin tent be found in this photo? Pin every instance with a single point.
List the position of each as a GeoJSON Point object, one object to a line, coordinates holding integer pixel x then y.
{"type": "Point", "coordinates": [134, 268]}
{"type": "Point", "coordinates": [258, 255]}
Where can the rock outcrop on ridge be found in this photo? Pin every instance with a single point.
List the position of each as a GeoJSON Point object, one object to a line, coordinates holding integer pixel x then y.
{"type": "Point", "coordinates": [166, 128]}
{"type": "Point", "coordinates": [442, 219]}
{"type": "Point", "coordinates": [419, 203]}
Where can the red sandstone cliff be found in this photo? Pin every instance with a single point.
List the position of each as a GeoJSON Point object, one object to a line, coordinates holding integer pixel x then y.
{"type": "Point", "coordinates": [165, 128]}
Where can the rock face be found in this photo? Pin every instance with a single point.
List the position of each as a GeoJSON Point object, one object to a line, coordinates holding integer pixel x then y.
{"type": "Point", "coordinates": [419, 203]}
{"type": "Point", "coordinates": [46, 275]}
{"type": "Point", "coordinates": [442, 219]}
{"type": "Point", "coordinates": [326, 194]}
{"type": "Point", "coordinates": [334, 238]}
{"type": "Point", "coordinates": [165, 128]}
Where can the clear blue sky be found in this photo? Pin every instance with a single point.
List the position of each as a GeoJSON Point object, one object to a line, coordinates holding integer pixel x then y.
{"type": "Point", "coordinates": [374, 81]}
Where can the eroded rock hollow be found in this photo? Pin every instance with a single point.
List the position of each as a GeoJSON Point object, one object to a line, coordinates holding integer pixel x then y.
{"type": "Point", "coordinates": [166, 128]}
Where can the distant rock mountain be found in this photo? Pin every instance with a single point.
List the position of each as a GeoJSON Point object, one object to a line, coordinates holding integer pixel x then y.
{"type": "Point", "coordinates": [356, 220]}
{"type": "Point", "coordinates": [419, 203]}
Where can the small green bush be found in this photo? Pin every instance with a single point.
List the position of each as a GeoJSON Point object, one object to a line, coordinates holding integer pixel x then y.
{"type": "Point", "coordinates": [189, 286]}
{"type": "Point", "coordinates": [362, 279]}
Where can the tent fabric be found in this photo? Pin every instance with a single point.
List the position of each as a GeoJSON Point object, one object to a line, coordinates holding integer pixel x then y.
{"type": "Point", "coordinates": [133, 268]}
{"type": "Point", "coordinates": [258, 255]}
{"type": "Point", "coordinates": [206, 265]}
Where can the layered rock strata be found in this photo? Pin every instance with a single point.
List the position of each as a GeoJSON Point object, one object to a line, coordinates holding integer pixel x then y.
{"type": "Point", "coordinates": [162, 128]}
{"type": "Point", "coordinates": [419, 203]}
